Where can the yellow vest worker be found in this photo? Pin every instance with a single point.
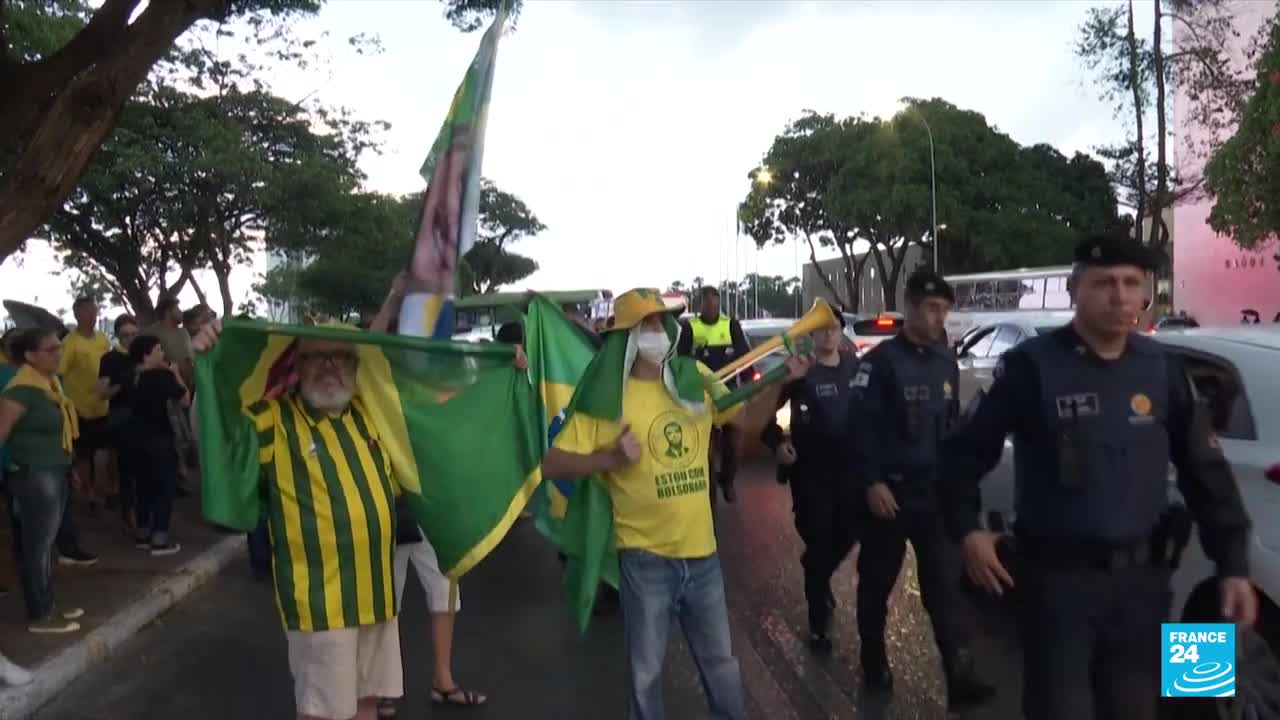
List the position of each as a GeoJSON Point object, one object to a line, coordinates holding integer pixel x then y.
{"type": "Point", "coordinates": [716, 340]}
{"type": "Point", "coordinates": [713, 339]}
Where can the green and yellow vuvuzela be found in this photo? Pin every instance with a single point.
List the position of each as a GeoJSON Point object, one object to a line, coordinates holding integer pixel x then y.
{"type": "Point", "coordinates": [457, 420]}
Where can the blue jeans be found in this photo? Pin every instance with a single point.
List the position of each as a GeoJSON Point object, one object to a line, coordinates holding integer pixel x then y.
{"type": "Point", "coordinates": [38, 503]}
{"type": "Point", "coordinates": [654, 590]}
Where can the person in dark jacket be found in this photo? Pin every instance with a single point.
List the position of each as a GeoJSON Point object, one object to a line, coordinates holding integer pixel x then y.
{"type": "Point", "coordinates": [905, 400]}
{"type": "Point", "coordinates": [824, 494]}
{"type": "Point", "coordinates": [159, 386]}
{"type": "Point", "coordinates": [1097, 413]}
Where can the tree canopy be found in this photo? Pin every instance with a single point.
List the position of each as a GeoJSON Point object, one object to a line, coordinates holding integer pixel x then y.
{"type": "Point", "coordinates": [860, 182]}
{"type": "Point", "coordinates": [1244, 173]}
{"type": "Point", "coordinates": [323, 275]}
{"type": "Point", "coordinates": [67, 69]}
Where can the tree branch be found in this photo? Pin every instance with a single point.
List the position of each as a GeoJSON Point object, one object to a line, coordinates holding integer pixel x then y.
{"type": "Point", "coordinates": [109, 21]}
{"type": "Point", "coordinates": [817, 267]}
{"type": "Point", "coordinates": [69, 131]}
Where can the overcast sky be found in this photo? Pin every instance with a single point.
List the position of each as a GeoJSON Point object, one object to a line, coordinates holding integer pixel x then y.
{"type": "Point", "coordinates": [629, 127]}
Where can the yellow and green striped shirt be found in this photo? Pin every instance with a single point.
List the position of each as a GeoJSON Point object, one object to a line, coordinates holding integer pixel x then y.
{"type": "Point", "coordinates": [330, 503]}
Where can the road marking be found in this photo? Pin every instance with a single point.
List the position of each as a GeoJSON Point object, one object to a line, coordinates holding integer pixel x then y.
{"type": "Point", "coordinates": [835, 702]}
{"type": "Point", "coordinates": [757, 678]}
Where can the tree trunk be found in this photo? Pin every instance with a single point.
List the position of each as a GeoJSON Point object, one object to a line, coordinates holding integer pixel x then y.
{"type": "Point", "coordinates": [69, 131]}
{"type": "Point", "coordinates": [898, 258]}
{"type": "Point", "coordinates": [223, 272]}
{"type": "Point", "coordinates": [817, 268]}
{"type": "Point", "coordinates": [888, 302]}
{"type": "Point", "coordinates": [1159, 235]}
{"type": "Point", "coordinates": [1135, 83]}
{"type": "Point", "coordinates": [204, 299]}
{"type": "Point", "coordinates": [850, 279]}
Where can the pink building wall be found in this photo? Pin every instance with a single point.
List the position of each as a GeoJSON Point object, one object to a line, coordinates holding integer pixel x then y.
{"type": "Point", "coordinates": [1213, 279]}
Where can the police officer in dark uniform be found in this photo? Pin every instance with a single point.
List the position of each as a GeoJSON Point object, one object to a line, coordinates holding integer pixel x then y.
{"type": "Point", "coordinates": [1097, 411]}
{"type": "Point", "coordinates": [905, 399]}
{"type": "Point", "coordinates": [823, 495]}
{"type": "Point", "coordinates": [716, 340]}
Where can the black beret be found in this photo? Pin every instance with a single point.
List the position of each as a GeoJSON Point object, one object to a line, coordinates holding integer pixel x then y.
{"type": "Point", "coordinates": [924, 283]}
{"type": "Point", "coordinates": [1107, 251]}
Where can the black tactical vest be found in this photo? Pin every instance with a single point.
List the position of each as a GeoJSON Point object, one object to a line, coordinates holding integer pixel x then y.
{"type": "Point", "coordinates": [1095, 465]}
{"type": "Point", "coordinates": [917, 401]}
{"type": "Point", "coordinates": [820, 410]}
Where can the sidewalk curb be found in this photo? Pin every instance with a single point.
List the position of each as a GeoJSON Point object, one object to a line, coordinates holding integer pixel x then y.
{"type": "Point", "coordinates": [63, 668]}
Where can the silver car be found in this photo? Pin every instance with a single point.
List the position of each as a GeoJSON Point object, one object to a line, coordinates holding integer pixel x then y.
{"type": "Point", "coordinates": [979, 350]}
{"type": "Point", "coordinates": [1237, 370]}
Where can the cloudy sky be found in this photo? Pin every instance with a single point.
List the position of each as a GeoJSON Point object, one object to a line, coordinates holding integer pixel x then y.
{"type": "Point", "coordinates": [629, 127]}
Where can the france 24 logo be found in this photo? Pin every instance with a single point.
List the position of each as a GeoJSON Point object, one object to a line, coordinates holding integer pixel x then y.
{"type": "Point", "coordinates": [1198, 660]}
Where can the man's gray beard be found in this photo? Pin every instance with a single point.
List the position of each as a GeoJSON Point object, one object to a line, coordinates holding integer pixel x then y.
{"type": "Point", "coordinates": [328, 401]}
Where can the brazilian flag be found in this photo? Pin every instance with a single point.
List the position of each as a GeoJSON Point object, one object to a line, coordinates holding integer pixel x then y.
{"type": "Point", "coordinates": [457, 420]}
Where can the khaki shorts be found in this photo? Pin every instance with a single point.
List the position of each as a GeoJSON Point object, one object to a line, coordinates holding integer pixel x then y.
{"type": "Point", "coordinates": [434, 583]}
{"type": "Point", "coordinates": [333, 669]}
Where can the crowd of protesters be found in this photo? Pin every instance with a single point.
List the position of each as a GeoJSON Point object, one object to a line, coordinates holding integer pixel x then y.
{"type": "Point", "coordinates": [97, 421]}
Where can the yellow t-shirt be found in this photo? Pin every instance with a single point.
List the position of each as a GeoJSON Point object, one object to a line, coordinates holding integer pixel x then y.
{"type": "Point", "coordinates": [661, 503]}
{"type": "Point", "coordinates": [81, 359]}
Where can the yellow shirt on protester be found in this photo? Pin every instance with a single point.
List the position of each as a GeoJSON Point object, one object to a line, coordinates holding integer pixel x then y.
{"type": "Point", "coordinates": [81, 360]}
{"type": "Point", "coordinates": [661, 503]}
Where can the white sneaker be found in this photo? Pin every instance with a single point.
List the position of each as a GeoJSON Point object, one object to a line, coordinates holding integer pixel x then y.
{"type": "Point", "coordinates": [12, 674]}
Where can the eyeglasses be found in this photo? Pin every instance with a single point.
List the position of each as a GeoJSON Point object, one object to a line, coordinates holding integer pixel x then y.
{"type": "Point", "coordinates": [338, 360]}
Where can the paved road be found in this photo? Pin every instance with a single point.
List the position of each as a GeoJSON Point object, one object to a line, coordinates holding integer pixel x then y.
{"type": "Point", "coordinates": [221, 654]}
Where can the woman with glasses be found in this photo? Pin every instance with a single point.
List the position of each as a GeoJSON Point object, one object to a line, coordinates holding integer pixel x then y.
{"type": "Point", "coordinates": [159, 385]}
{"type": "Point", "coordinates": [38, 428]}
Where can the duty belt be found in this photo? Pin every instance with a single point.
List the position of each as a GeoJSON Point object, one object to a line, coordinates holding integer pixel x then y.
{"type": "Point", "coordinates": [1049, 555]}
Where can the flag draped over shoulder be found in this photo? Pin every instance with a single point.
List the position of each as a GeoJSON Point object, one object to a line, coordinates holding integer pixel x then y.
{"type": "Point", "coordinates": [447, 221]}
{"type": "Point", "coordinates": [576, 515]}
{"type": "Point", "coordinates": [457, 421]}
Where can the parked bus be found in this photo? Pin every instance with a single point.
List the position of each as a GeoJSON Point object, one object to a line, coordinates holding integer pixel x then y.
{"type": "Point", "coordinates": [1037, 296]}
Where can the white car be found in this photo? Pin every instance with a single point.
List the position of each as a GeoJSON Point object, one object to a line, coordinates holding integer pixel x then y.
{"type": "Point", "coordinates": [1247, 359]}
{"type": "Point", "coordinates": [865, 332]}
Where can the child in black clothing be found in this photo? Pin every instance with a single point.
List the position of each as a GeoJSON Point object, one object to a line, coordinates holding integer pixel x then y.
{"type": "Point", "coordinates": [158, 385]}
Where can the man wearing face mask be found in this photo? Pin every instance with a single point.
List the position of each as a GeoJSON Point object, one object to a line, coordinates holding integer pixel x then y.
{"type": "Point", "coordinates": [716, 340]}
{"type": "Point", "coordinates": [646, 437]}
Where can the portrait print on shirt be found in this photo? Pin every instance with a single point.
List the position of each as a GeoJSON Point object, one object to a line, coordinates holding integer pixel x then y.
{"type": "Point", "coordinates": [675, 446]}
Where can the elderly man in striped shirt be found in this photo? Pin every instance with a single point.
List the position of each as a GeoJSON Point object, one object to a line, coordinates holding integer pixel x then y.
{"type": "Point", "coordinates": [330, 508]}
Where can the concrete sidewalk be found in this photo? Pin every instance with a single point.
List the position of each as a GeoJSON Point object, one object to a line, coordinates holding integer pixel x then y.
{"type": "Point", "coordinates": [125, 591]}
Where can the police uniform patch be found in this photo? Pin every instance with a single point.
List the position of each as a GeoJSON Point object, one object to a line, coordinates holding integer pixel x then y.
{"type": "Point", "coordinates": [1096, 252]}
{"type": "Point", "coordinates": [946, 390]}
{"type": "Point", "coordinates": [1140, 404]}
{"type": "Point", "coordinates": [1213, 441]}
{"type": "Point", "coordinates": [863, 378]}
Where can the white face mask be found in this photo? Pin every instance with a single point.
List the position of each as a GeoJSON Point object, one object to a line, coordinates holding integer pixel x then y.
{"type": "Point", "coordinates": [653, 346]}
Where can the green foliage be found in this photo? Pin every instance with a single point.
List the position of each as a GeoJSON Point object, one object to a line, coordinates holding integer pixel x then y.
{"type": "Point", "coordinates": [48, 49]}
{"type": "Point", "coordinates": [36, 28]}
{"type": "Point", "coordinates": [771, 296]}
{"type": "Point", "coordinates": [837, 182]}
{"type": "Point", "coordinates": [471, 15]}
{"type": "Point", "coordinates": [356, 246]}
{"type": "Point", "coordinates": [1244, 173]}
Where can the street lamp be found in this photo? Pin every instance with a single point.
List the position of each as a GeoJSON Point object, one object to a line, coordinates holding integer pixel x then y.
{"type": "Point", "coordinates": [911, 108]}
